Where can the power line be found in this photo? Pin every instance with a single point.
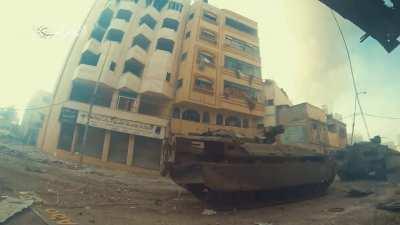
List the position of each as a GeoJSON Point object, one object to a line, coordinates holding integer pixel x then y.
{"type": "Point", "coordinates": [357, 99]}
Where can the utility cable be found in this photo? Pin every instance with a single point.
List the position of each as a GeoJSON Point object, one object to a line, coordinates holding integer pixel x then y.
{"type": "Point", "coordinates": [357, 99]}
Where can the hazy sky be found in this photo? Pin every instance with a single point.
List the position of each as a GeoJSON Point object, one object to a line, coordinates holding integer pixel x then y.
{"type": "Point", "coordinates": [300, 46]}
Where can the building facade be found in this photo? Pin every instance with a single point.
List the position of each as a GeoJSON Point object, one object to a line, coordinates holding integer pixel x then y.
{"type": "Point", "coordinates": [275, 97]}
{"type": "Point", "coordinates": [219, 84]}
{"type": "Point", "coordinates": [34, 115]}
{"type": "Point", "coordinates": [139, 63]}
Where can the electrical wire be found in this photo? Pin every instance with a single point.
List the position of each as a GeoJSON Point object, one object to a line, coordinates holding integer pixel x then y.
{"type": "Point", "coordinates": [357, 99]}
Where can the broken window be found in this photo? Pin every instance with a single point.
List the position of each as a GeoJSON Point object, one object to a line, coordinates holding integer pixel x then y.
{"type": "Point", "coordinates": [235, 90]}
{"type": "Point", "coordinates": [208, 35]}
{"type": "Point", "coordinates": [134, 66]}
{"type": "Point", "coordinates": [206, 59]}
{"type": "Point", "coordinates": [191, 16]}
{"type": "Point", "coordinates": [105, 18]}
{"type": "Point", "coordinates": [115, 35]}
{"type": "Point", "coordinates": [171, 24]}
{"type": "Point", "coordinates": [233, 121]}
{"type": "Point", "coordinates": [179, 83]}
{"type": "Point", "coordinates": [184, 56]}
{"type": "Point", "coordinates": [204, 84]}
{"type": "Point", "coordinates": [220, 119]}
{"type": "Point", "coordinates": [242, 46]}
{"type": "Point", "coordinates": [168, 77]}
{"type": "Point", "coordinates": [66, 136]}
{"type": "Point", "coordinates": [241, 67]}
{"type": "Point", "coordinates": [98, 33]}
{"type": "Point", "coordinates": [187, 35]}
{"type": "Point", "coordinates": [89, 58]}
{"type": "Point", "coordinates": [175, 6]}
{"type": "Point", "coordinates": [149, 21]}
{"type": "Point", "coordinates": [126, 100]}
{"type": "Point", "coordinates": [210, 17]}
{"type": "Point", "coordinates": [191, 115]}
{"type": "Point", "coordinates": [141, 41]}
{"type": "Point", "coordinates": [240, 26]}
{"type": "Point", "coordinates": [124, 14]}
{"type": "Point", "coordinates": [269, 102]}
{"type": "Point", "coordinates": [165, 45]}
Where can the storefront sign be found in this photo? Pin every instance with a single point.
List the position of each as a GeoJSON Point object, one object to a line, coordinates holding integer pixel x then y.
{"type": "Point", "coordinates": [122, 125]}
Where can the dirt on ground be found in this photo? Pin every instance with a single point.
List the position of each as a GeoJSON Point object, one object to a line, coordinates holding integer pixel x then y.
{"type": "Point", "coordinates": [89, 195]}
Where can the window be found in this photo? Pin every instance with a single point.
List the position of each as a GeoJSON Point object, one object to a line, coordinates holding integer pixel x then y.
{"type": "Point", "coordinates": [165, 45]}
{"type": "Point", "coordinates": [332, 128]}
{"type": "Point", "coordinates": [179, 83]}
{"type": "Point", "coordinates": [126, 100]}
{"type": "Point", "coordinates": [187, 35]}
{"type": "Point", "coordinates": [98, 33]}
{"type": "Point", "coordinates": [168, 77]}
{"type": "Point", "coordinates": [240, 26]}
{"type": "Point", "coordinates": [220, 119]}
{"type": "Point", "coordinates": [94, 141]}
{"type": "Point", "coordinates": [210, 17]}
{"type": "Point", "coordinates": [171, 24]}
{"type": "Point", "coordinates": [206, 117]}
{"type": "Point", "coordinates": [112, 66]}
{"type": "Point", "coordinates": [205, 58]}
{"type": "Point", "coordinates": [159, 4]}
{"type": "Point", "coordinates": [81, 92]}
{"type": "Point", "coordinates": [89, 58]}
{"type": "Point", "coordinates": [66, 136]}
{"type": "Point", "coordinates": [124, 14]}
{"type": "Point", "coordinates": [141, 41]}
{"type": "Point", "coordinates": [242, 46]}
{"type": "Point", "coordinates": [342, 132]}
{"type": "Point", "coordinates": [245, 123]}
{"type": "Point", "coordinates": [239, 91]}
{"type": "Point", "coordinates": [242, 67]}
{"type": "Point", "coordinates": [269, 102]}
{"type": "Point", "coordinates": [204, 84]}
{"type": "Point", "coordinates": [115, 35]}
{"type": "Point", "coordinates": [105, 18]}
{"type": "Point", "coordinates": [191, 16]}
{"type": "Point", "coordinates": [184, 56]}
{"type": "Point", "coordinates": [233, 121]}
{"type": "Point", "coordinates": [208, 35]}
{"type": "Point", "coordinates": [191, 115]}
{"type": "Point", "coordinates": [175, 6]}
{"type": "Point", "coordinates": [133, 66]}
{"type": "Point", "coordinates": [149, 21]}
{"type": "Point", "coordinates": [176, 113]}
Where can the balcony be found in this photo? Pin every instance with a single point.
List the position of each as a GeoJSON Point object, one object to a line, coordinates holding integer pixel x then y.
{"type": "Point", "coordinates": [130, 82]}
{"type": "Point", "coordinates": [173, 14]}
{"type": "Point", "coordinates": [146, 31]}
{"type": "Point", "coordinates": [91, 74]}
{"type": "Point", "coordinates": [167, 33]}
{"type": "Point", "coordinates": [119, 24]}
{"type": "Point", "coordinates": [136, 52]}
{"type": "Point", "coordinates": [127, 5]}
{"type": "Point", "coordinates": [154, 82]}
{"type": "Point", "coordinates": [93, 46]}
{"type": "Point", "coordinates": [153, 13]}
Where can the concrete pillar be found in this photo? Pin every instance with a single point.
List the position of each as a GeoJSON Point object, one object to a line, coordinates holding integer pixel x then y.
{"type": "Point", "coordinates": [74, 138]}
{"type": "Point", "coordinates": [131, 146]}
{"type": "Point", "coordinates": [106, 146]}
{"type": "Point", "coordinates": [136, 105]}
{"type": "Point", "coordinates": [114, 101]}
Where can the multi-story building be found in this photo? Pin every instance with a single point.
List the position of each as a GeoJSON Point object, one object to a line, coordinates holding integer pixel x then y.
{"type": "Point", "coordinates": [124, 62]}
{"type": "Point", "coordinates": [275, 97]}
{"type": "Point", "coordinates": [138, 63]}
{"type": "Point", "coordinates": [36, 111]}
{"type": "Point", "coordinates": [219, 84]}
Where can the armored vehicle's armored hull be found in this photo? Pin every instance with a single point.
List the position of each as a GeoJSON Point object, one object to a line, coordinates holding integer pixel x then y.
{"type": "Point", "coordinates": [213, 166]}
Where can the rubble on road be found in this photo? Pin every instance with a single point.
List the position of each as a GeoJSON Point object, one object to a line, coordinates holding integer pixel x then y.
{"type": "Point", "coordinates": [10, 206]}
{"type": "Point", "coordinates": [393, 206]}
{"type": "Point", "coordinates": [208, 212]}
{"type": "Point", "coordinates": [358, 193]}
